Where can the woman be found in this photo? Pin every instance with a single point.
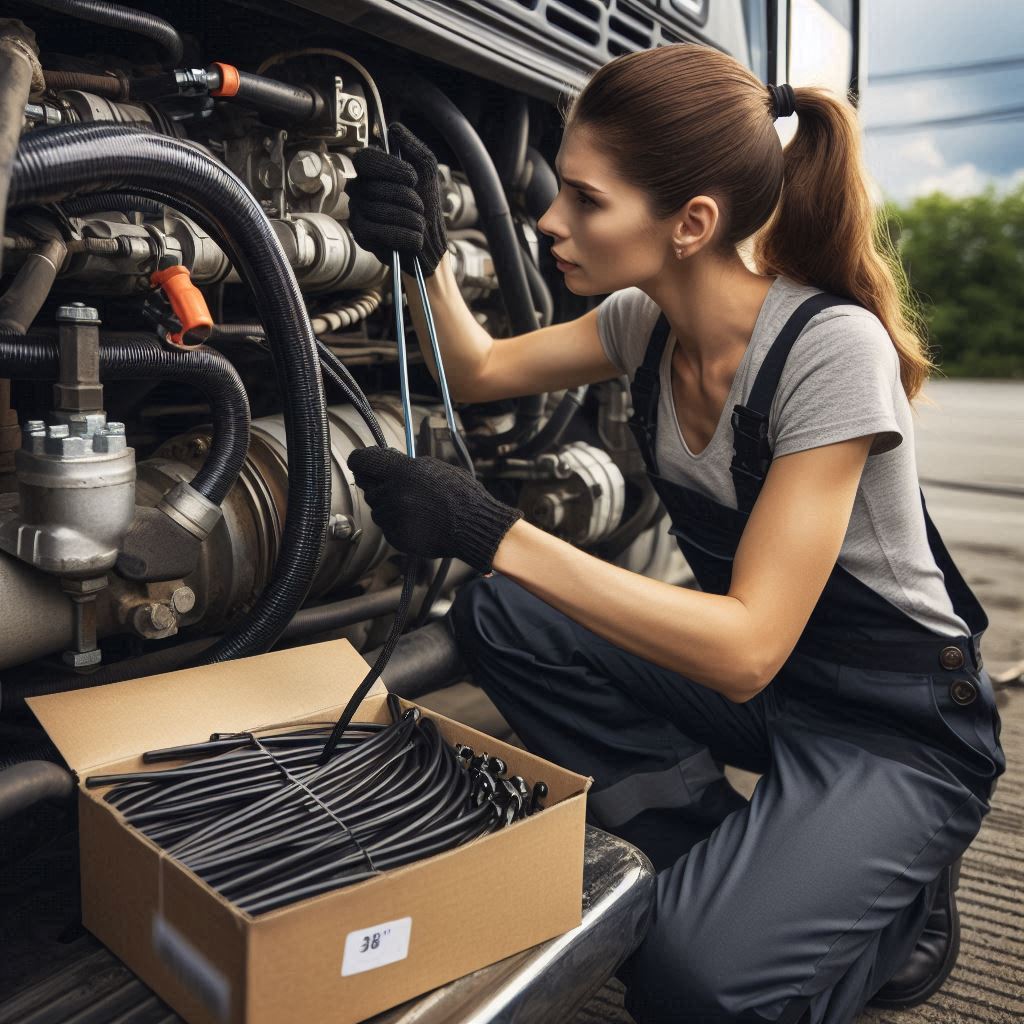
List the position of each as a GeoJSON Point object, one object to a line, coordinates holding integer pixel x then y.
{"type": "Point", "coordinates": [833, 646]}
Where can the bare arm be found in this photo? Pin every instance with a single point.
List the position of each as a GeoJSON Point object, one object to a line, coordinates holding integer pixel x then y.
{"type": "Point", "coordinates": [733, 643]}
{"type": "Point", "coordinates": [480, 368]}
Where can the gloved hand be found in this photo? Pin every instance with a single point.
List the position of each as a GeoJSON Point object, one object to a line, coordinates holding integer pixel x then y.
{"type": "Point", "coordinates": [430, 508]}
{"type": "Point", "coordinates": [395, 202]}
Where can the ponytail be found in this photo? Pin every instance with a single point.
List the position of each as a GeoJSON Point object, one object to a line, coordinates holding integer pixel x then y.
{"type": "Point", "coordinates": [824, 231]}
{"type": "Point", "coordinates": [707, 130]}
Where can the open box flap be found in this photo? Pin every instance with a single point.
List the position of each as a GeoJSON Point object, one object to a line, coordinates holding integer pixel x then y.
{"type": "Point", "coordinates": [103, 724]}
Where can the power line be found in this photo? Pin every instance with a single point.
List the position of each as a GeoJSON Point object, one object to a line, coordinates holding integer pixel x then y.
{"type": "Point", "coordinates": [983, 116]}
{"type": "Point", "coordinates": [998, 64]}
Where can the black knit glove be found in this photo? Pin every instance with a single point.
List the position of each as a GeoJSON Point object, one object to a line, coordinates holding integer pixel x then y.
{"type": "Point", "coordinates": [395, 202]}
{"type": "Point", "coordinates": [430, 508]}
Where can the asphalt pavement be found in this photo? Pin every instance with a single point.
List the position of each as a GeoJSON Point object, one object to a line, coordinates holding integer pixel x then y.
{"type": "Point", "coordinates": [970, 452]}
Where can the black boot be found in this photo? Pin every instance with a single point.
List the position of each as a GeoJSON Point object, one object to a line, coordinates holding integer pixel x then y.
{"type": "Point", "coordinates": [934, 955]}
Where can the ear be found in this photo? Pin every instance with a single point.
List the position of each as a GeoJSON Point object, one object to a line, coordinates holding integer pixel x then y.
{"type": "Point", "coordinates": [694, 226]}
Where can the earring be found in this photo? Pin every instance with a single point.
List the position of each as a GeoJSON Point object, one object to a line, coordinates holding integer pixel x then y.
{"type": "Point", "coordinates": [679, 254]}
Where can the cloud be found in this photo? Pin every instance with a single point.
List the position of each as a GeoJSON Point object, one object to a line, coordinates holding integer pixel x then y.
{"type": "Point", "coordinates": [965, 180]}
{"type": "Point", "coordinates": [920, 164]}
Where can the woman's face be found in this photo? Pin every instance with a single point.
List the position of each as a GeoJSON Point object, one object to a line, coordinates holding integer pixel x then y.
{"type": "Point", "coordinates": [602, 229]}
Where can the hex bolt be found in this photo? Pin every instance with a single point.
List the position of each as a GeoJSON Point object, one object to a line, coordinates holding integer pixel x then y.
{"type": "Point", "coordinates": [354, 109]}
{"type": "Point", "coordinates": [183, 600]}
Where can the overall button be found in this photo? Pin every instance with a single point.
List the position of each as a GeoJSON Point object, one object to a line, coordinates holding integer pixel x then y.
{"type": "Point", "coordinates": [963, 691]}
{"type": "Point", "coordinates": [951, 657]}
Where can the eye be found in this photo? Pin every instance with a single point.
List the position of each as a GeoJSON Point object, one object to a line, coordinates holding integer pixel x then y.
{"type": "Point", "coordinates": [583, 199]}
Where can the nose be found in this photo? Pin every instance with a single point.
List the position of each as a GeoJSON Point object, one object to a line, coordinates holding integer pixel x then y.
{"type": "Point", "coordinates": [549, 223]}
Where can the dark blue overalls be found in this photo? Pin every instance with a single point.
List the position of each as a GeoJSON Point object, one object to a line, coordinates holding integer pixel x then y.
{"type": "Point", "coordinates": [877, 742]}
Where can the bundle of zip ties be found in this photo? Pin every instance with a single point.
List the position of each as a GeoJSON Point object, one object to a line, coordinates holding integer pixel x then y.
{"type": "Point", "coordinates": [263, 823]}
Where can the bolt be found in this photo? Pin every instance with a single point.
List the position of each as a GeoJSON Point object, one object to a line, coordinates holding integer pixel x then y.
{"type": "Point", "coordinates": [354, 109]}
{"type": "Point", "coordinates": [154, 618]}
{"type": "Point", "coordinates": [341, 527]}
{"type": "Point", "coordinates": [58, 430]}
{"type": "Point", "coordinates": [76, 313]}
{"type": "Point", "coordinates": [304, 171]}
{"type": "Point", "coordinates": [183, 600]}
{"type": "Point", "coordinates": [31, 426]}
{"type": "Point", "coordinates": [199, 447]}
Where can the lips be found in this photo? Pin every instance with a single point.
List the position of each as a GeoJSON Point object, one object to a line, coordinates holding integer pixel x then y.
{"type": "Point", "coordinates": [564, 262]}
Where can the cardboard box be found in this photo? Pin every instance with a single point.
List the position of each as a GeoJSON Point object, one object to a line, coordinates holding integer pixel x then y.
{"type": "Point", "coordinates": [437, 919]}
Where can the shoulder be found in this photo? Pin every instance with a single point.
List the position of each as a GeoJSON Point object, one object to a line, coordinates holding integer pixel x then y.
{"type": "Point", "coordinates": [625, 320]}
{"type": "Point", "coordinates": [841, 379]}
{"type": "Point", "coordinates": [844, 336]}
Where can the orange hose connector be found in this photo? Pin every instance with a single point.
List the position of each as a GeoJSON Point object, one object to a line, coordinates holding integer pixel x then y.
{"type": "Point", "coordinates": [229, 79]}
{"type": "Point", "coordinates": [188, 303]}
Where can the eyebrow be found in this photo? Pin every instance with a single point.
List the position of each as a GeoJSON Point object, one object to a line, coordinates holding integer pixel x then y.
{"type": "Point", "coordinates": [579, 184]}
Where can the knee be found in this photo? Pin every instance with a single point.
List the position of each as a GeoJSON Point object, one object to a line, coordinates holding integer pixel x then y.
{"type": "Point", "coordinates": [476, 618]}
{"type": "Point", "coordinates": [684, 973]}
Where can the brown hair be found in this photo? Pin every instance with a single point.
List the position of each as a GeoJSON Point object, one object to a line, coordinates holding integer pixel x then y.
{"type": "Point", "coordinates": [685, 120]}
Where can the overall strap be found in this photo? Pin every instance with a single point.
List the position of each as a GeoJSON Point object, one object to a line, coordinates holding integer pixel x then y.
{"type": "Point", "coordinates": [752, 451]}
{"type": "Point", "coordinates": [646, 393]}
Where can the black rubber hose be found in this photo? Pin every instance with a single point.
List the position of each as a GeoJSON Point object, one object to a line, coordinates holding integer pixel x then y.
{"type": "Point", "coordinates": [15, 87]}
{"type": "Point", "coordinates": [342, 613]}
{"type": "Point", "coordinates": [554, 430]}
{"type": "Point", "coordinates": [103, 202]}
{"type": "Point", "coordinates": [289, 102]}
{"type": "Point", "coordinates": [25, 295]}
{"type": "Point", "coordinates": [100, 12]}
{"type": "Point", "coordinates": [143, 357]}
{"type": "Point", "coordinates": [56, 162]}
{"type": "Point", "coordinates": [542, 187]}
{"type": "Point", "coordinates": [510, 151]}
{"type": "Point", "coordinates": [625, 533]}
{"type": "Point", "coordinates": [30, 782]}
{"type": "Point", "coordinates": [540, 291]}
{"type": "Point", "coordinates": [424, 660]}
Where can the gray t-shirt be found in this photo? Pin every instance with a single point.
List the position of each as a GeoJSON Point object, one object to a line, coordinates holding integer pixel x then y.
{"type": "Point", "coordinates": [841, 380]}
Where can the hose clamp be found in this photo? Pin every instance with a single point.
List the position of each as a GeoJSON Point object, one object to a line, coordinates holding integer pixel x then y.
{"type": "Point", "coordinates": [190, 510]}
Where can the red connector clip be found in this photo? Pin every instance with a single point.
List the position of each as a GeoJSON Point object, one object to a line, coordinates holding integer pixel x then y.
{"type": "Point", "coordinates": [188, 305]}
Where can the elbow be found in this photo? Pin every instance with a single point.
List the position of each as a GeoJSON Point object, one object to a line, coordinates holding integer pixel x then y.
{"type": "Point", "coordinates": [758, 672]}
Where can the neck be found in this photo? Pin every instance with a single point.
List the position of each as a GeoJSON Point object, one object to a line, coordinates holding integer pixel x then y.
{"type": "Point", "coordinates": [712, 305]}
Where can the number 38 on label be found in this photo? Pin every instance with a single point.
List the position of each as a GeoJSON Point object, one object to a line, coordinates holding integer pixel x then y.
{"type": "Point", "coordinates": [376, 946]}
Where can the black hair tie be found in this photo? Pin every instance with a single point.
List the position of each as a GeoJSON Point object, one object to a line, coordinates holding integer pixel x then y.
{"type": "Point", "coordinates": [783, 100]}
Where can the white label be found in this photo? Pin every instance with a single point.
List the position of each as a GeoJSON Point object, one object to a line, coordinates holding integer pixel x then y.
{"type": "Point", "coordinates": [376, 946]}
{"type": "Point", "coordinates": [208, 983]}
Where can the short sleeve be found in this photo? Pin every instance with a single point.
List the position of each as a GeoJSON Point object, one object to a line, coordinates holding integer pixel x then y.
{"type": "Point", "coordinates": [841, 381]}
{"type": "Point", "coordinates": [625, 320]}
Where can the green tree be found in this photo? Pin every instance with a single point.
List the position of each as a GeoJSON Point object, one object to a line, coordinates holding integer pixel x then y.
{"type": "Point", "coordinates": [965, 262]}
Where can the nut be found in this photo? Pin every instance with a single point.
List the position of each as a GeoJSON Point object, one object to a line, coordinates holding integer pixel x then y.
{"type": "Point", "coordinates": [354, 109]}
{"type": "Point", "coordinates": [65, 447]}
{"type": "Point", "coordinates": [82, 659]}
{"type": "Point", "coordinates": [77, 312]}
{"type": "Point", "coordinates": [183, 600]}
{"type": "Point", "coordinates": [341, 527]}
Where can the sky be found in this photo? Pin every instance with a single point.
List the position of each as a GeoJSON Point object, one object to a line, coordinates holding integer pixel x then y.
{"type": "Point", "coordinates": [905, 35]}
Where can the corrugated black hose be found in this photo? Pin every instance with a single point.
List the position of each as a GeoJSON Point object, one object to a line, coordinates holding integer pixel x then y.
{"type": "Point", "coordinates": [139, 23]}
{"type": "Point", "coordinates": [143, 357]}
{"type": "Point", "coordinates": [54, 163]}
